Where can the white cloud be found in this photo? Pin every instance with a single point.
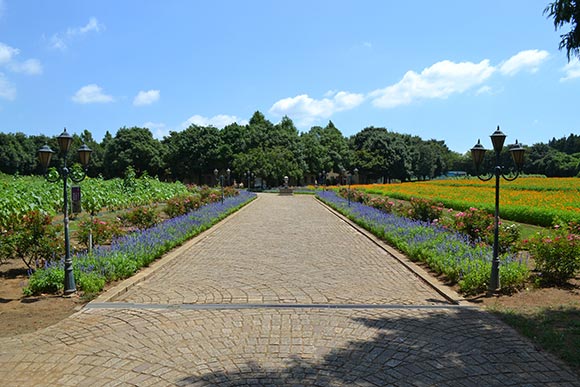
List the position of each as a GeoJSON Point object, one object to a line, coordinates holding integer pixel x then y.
{"type": "Point", "coordinates": [159, 129]}
{"type": "Point", "coordinates": [30, 67]}
{"type": "Point", "coordinates": [572, 70]}
{"type": "Point", "coordinates": [307, 110]}
{"type": "Point", "coordinates": [218, 121]}
{"type": "Point", "coordinates": [146, 97]}
{"type": "Point", "coordinates": [60, 41]}
{"type": "Point", "coordinates": [7, 60]}
{"type": "Point", "coordinates": [7, 53]}
{"type": "Point", "coordinates": [7, 91]}
{"type": "Point", "coordinates": [438, 81]}
{"type": "Point", "coordinates": [483, 90]}
{"type": "Point", "coordinates": [57, 42]}
{"type": "Point", "coordinates": [524, 60]}
{"type": "Point", "coordinates": [91, 94]}
{"type": "Point", "coordinates": [92, 25]}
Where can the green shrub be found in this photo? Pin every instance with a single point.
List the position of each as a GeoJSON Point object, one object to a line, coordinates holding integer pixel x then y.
{"type": "Point", "coordinates": [557, 256]}
{"type": "Point", "coordinates": [382, 203]}
{"type": "Point", "coordinates": [230, 191]}
{"type": "Point", "coordinates": [181, 205]}
{"type": "Point", "coordinates": [48, 280]}
{"type": "Point", "coordinates": [204, 192]}
{"type": "Point", "coordinates": [513, 275]}
{"type": "Point", "coordinates": [479, 225]}
{"type": "Point", "coordinates": [102, 232]}
{"type": "Point", "coordinates": [424, 209]}
{"type": "Point", "coordinates": [475, 223]}
{"type": "Point", "coordinates": [32, 238]}
{"type": "Point", "coordinates": [90, 283]}
{"type": "Point", "coordinates": [142, 217]}
{"type": "Point", "coordinates": [509, 236]}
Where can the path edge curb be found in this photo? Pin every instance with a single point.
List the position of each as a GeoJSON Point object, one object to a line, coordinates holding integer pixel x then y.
{"type": "Point", "coordinates": [417, 270]}
{"type": "Point", "coordinates": [111, 294]}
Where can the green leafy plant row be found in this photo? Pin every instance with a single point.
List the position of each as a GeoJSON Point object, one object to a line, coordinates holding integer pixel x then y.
{"type": "Point", "coordinates": [21, 195]}
{"type": "Point", "coordinates": [129, 253]}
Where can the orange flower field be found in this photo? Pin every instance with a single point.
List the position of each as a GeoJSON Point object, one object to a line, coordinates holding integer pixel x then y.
{"type": "Point", "coordinates": [540, 201]}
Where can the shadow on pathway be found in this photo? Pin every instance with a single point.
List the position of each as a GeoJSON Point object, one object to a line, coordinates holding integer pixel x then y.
{"type": "Point", "coordinates": [466, 347]}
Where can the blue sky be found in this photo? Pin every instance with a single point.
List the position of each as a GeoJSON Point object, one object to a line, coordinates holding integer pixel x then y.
{"type": "Point", "coordinates": [449, 70]}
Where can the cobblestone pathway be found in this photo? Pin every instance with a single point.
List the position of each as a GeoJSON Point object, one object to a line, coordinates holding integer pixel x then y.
{"type": "Point", "coordinates": [282, 293]}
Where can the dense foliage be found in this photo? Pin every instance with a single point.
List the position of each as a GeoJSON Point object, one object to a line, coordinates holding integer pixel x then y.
{"type": "Point", "coordinates": [23, 194]}
{"type": "Point", "coordinates": [272, 151]}
{"type": "Point", "coordinates": [566, 12]}
{"type": "Point", "coordinates": [557, 253]}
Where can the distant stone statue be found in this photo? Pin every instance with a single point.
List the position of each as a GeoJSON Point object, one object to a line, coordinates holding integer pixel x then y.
{"type": "Point", "coordinates": [285, 190]}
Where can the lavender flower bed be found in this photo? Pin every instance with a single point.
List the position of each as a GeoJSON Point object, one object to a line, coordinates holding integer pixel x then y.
{"type": "Point", "coordinates": [131, 252]}
{"type": "Point", "coordinates": [446, 252]}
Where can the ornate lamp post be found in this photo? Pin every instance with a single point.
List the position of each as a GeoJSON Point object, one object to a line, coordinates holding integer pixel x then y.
{"type": "Point", "coordinates": [478, 154]}
{"type": "Point", "coordinates": [323, 179]}
{"type": "Point", "coordinates": [350, 182]}
{"type": "Point", "coordinates": [249, 176]}
{"type": "Point", "coordinates": [221, 180]}
{"type": "Point", "coordinates": [44, 156]}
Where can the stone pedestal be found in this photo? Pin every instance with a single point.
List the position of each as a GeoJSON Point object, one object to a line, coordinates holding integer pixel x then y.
{"type": "Point", "coordinates": [286, 191]}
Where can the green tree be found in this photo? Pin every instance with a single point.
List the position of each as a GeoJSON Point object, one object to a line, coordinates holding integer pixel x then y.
{"type": "Point", "coordinates": [336, 146]}
{"type": "Point", "coordinates": [95, 167]}
{"type": "Point", "coordinates": [16, 154]}
{"type": "Point", "coordinates": [566, 12]}
{"type": "Point", "coordinates": [380, 154]}
{"type": "Point", "coordinates": [400, 166]}
{"type": "Point", "coordinates": [133, 147]}
{"type": "Point", "coordinates": [424, 161]}
{"type": "Point", "coordinates": [315, 155]}
{"type": "Point", "coordinates": [235, 139]}
{"type": "Point", "coordinates": [193, 152]}
{"type": "Point", "coordinates": [273, 151]}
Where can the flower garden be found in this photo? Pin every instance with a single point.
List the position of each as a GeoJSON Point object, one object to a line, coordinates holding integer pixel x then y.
{"type": "Point", "coordinates": [531, 200]}
{"type": "Point", "coordinates": [126, 254]}
{"type": "Point", "coordinates": [446, 252]}
{"type": "Point", "coordinates": [132, 223]}
{"type": "Point", "coordinates": [456, 243]}
{"type": "Point", "coordinates": [446, 224]}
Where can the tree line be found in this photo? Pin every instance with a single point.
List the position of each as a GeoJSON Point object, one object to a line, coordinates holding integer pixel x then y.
{"type": "Point", "coordinates": [271, 151]}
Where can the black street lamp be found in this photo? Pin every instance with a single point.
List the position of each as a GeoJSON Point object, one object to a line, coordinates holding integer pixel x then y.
{"type": "Point", "coordinates": [478, 154]}
{"type": "Point", "coordinates": [349, 177]}
{"type": "Point", "coordinates": [249, 176]}
{"type": "Point", "coordinates": [44, 156]}
{"type": "Point", "coordinates": [221, 179]}
{"type": "Point", "coordinates": [323, 179]}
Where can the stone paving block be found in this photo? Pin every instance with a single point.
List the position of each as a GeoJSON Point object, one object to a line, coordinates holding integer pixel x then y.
{"type": "Point", "coordinates": [305, 256]}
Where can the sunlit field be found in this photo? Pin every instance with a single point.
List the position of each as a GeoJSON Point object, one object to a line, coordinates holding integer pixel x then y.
{"type": "Point", "coordinates": [532, 200]}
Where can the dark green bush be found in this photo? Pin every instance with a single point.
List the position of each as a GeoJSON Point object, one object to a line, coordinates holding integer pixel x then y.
{"type": "Point", "coordinates": [557, 256]}
{"type": "Point", "coordinates": [424, 209]}
{"type": "Point", "coordinates": [142, 217]}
